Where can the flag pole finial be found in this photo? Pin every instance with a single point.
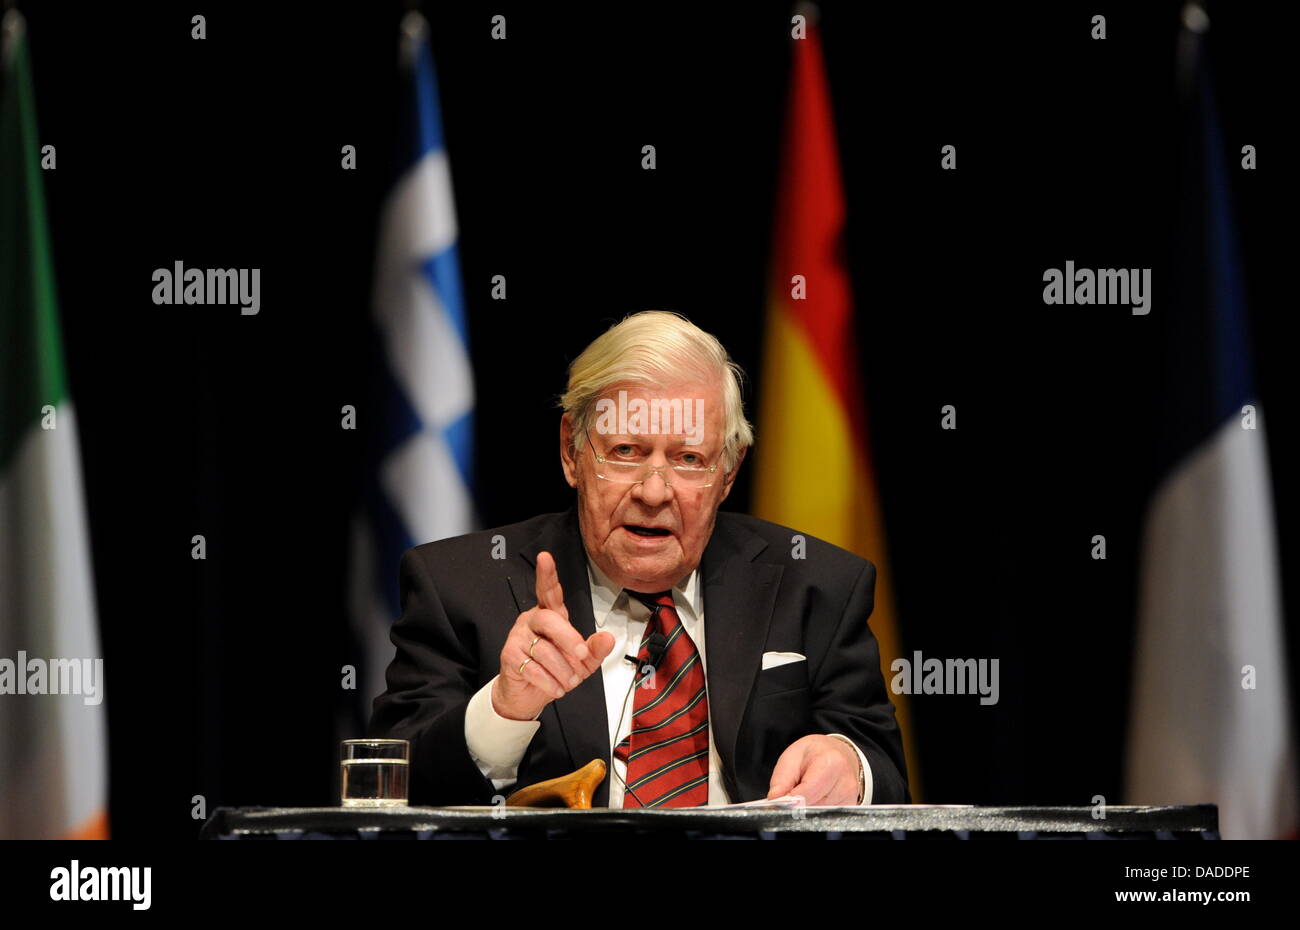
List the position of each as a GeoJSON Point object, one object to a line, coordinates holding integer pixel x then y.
{"type": "Point", "coordinates": [12, 28]}
{"type": "Point", "coordinates": [414, 30]}
{"type": "Point", "coordinates": [1196, 23]}
{"type": "Point", "coordinates": [809, 10]}
{"type": "Point", "coordinates": [1195, 19]}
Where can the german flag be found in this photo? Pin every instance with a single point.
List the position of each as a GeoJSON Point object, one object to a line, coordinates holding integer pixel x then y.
{"type": "Point", "coordinates": [815, 472]}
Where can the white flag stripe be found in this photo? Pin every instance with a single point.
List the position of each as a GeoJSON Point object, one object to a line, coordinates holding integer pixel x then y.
{"type": "Point", "coordinates": [421, 479]}
{"type": "Point", "coordinates": [1210, 605]}
{"type": "Point", "coordinates": [424, 349]}
{"type": "Point", "coordinates": [55, 764]}
{"type": "Point", "coordinates": [418, 219]}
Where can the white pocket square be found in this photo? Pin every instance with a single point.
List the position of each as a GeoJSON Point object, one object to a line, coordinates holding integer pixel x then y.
{"type": "Point", "coordinates": [773, 659]}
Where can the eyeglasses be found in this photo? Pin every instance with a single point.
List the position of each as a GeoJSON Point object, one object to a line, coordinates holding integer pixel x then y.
{"type": "Point", "coordinates": [633, 467]}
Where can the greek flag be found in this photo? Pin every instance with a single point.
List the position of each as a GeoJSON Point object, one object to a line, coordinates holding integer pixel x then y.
{"type": "Point", "coordinates": [419, 471]}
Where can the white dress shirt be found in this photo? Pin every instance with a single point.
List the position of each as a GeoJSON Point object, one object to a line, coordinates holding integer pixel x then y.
{"type": "Point", "coordinates": [497, 744]}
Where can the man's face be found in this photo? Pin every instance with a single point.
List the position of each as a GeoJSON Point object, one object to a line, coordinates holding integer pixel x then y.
{"type": "Point", "coordinates": [674, 522]}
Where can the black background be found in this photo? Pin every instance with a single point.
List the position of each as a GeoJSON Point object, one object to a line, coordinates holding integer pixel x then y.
{"type": "Point", "coordinates": [226, 153]}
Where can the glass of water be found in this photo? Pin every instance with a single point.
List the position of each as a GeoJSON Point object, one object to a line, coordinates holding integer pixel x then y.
{"type": "Point", "coordinates": [376, 772]}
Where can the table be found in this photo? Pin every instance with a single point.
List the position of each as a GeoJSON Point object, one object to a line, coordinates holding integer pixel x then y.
{"type": "Point", "coordinates": [959, 822]}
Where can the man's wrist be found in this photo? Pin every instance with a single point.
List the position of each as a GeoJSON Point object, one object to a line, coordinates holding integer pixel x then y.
{"type": "Point", "coordinates": [862, 775]}
{"type": "Point", "coordinates": [496, 743]}
{"type": "Point", "coordinates": [492, 699]}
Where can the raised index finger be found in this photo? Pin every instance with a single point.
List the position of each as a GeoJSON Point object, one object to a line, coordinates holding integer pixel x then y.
{"type": "Point", "coordinates": [549, 593]}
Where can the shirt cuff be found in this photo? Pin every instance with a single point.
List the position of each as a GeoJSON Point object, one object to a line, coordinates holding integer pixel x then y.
{"type": "Point", "coordinates": [496, 744]}
{"type": "Point", "coordinates": [868, 785]}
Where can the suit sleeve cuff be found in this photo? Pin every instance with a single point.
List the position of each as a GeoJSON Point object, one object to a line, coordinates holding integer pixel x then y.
{"type": "Point", "coordinates": [497, 744]}
{"type": "Point", "coordinates": [868, 784]}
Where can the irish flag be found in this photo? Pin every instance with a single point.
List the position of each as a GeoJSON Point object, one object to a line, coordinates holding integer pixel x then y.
{"type": "Point", "coordinates": [811, 394]}
{"type": "Point", "coordinates": [53, 755]}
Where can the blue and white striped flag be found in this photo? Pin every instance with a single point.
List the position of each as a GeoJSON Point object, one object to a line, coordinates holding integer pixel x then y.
{"type": "Point", "coordinates": [420, 480]}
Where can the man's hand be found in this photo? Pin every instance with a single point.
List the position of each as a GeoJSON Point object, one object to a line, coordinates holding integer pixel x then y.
{"type": "Point", "coordinates": [560, 659]}
{"type": "Point", "coordinates": [823, 769]}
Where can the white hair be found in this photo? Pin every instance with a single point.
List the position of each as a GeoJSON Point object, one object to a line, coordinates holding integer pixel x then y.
{"type": "Point", "coordinates": [649, 348]}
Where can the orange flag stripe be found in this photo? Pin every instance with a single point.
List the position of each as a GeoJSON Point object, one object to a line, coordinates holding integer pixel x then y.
{"type": "Point", "coordinates": [94, 827]}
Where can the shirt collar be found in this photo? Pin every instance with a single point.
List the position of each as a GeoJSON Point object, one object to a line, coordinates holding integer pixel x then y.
{"type": "Point", "coordinates": [606, 595]}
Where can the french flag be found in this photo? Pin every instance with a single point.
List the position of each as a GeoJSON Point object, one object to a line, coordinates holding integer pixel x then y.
{"type": "Point", "coordinates": [1210, 716]}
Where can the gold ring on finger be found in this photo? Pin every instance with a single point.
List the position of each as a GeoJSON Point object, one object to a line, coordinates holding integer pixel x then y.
{"type": "Point", "coordinates": [523, 663]}
{"type": "Point", "coordinates": [531, 645]}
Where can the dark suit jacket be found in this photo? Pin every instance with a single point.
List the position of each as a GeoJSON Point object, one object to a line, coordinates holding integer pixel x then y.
{"type": "Point", "coordinates": [459, 603]}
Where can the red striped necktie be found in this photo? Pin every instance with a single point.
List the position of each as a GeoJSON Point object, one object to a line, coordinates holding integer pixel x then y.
{"type": "Point", "coordinates": [667, 751]}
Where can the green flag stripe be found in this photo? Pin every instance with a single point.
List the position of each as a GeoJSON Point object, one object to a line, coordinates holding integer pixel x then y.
{"type": "Point", "coordinates": [31, 353]}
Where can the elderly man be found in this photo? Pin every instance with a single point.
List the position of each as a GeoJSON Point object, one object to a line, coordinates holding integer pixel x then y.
{"type": "Point", "coordinates": [701, 654]}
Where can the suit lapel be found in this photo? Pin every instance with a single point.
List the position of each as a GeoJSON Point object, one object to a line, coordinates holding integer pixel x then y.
{"type": "Point", "coordinates": [582, 713]}
{"type": "Point", "coordinates": [739, 598]}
